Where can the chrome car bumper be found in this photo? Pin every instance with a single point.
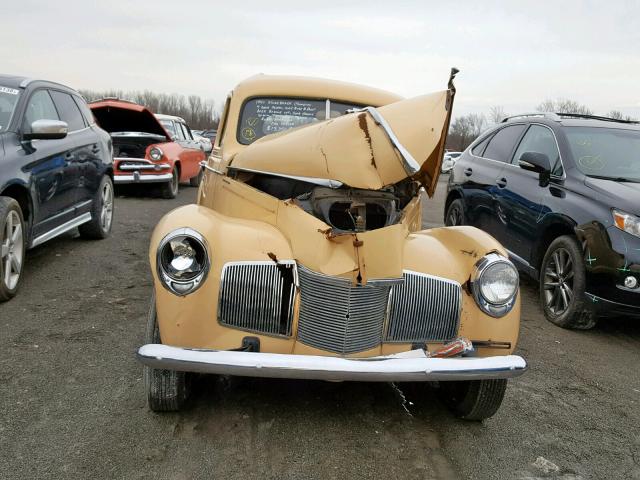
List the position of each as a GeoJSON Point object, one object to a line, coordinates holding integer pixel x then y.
{"type": "Point", "coordinates": [413, 366]}
{"type": "Point", "coordinates": [137, 178]}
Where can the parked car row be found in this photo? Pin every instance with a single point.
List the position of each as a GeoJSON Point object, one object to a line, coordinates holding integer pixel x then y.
{"type": "Point", "coordinates": [60, 159]}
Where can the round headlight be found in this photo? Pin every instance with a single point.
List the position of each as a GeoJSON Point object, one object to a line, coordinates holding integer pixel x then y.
{"type": "Point", "coordinates": [495, 285]}
{"type": "Point", "coordinates": [182, 261]}
{"type": "Point", "coordinates": [155, 153]}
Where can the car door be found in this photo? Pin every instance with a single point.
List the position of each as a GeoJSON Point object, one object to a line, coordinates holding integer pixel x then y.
{"type": "Point", "coordinates": [51, 167]}
{"type": "Point", "coordinates": [484, 174]}
{"type": "Point", "coordinates": [191, 154]}
{"type": "Point", "coordinates": [522, 199]}
{"type": "Point", "coordinates": [80, 179]}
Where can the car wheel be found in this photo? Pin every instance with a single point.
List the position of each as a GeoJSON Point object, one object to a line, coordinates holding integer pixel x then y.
{"type": "Point", "coordinates": [562, 285]}
{"type": "Point", "coordinates": [12, 247]}
{"type": "Point", "coordinates": [170, 189]}
{"type": "Point", "coordinates": [455, 214]}
{"type": "Point", "coordinates": [195, 181]}
{"type": "Point", "coordinates": [473, 399]}
{"type": "Point", "coordinates": [167, 390]}
{"type": "Point", "coordinates": [101, 212]}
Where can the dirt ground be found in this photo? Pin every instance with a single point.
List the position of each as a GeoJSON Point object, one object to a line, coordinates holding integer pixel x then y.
{"type": "Point", "coordinates": [72, 400]}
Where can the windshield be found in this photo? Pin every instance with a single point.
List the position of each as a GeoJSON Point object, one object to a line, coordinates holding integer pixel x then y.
{"type": "Point", "coordinates": [263, 116]}
{"type": "Point", "coordinates": [606, 152]}
{"type": "Point", "coordinates": [8, 100]}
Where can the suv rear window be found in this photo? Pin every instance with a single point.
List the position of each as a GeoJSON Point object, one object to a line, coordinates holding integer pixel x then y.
{"type": "Point", "coordinates": [503, 142]}
{"type": "Point", "coordinates": [266, 115]}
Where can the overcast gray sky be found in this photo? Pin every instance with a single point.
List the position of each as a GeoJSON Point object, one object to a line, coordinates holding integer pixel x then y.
{"type": "Point", "coordinates": [514, 53]}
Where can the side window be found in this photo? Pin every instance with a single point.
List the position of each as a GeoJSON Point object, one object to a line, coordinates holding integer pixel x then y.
{"type": "Point", "coordinates": [86, 111]}
{"type": "Point", "coordinates": [540, 139]}
{"type": "Point", "coordinates": [179, 131]}
{"type": "Point", "coordinates": [503, 142]}
{"type": "Point", "coordinates": [69, 111]}
{"type": "Point", "coordinates": [39, 107]}
{"type": "Point", "coordinates": [478, 150]}
{"type": "Point", "coordinates": [185, 131]}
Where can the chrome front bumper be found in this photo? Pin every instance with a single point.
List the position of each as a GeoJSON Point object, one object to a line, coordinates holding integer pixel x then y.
{"type": "Point", "coordinates": [137, 178]}
{"type": "Point", "coordinates": [413, 366]}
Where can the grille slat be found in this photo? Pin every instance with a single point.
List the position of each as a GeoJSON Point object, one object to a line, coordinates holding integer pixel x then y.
{"type": "Point", "coordinates": [338, 316]}
{"type": "Point", "coordinates": [424, 308]}
{"type": "Point", "coordinates": [252, 294]}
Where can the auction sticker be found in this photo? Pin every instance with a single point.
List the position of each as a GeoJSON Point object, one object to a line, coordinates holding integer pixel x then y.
{"type": "Point", "coordinates": [10, 91]}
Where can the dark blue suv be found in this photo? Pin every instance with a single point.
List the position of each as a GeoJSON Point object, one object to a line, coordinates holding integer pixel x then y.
{"type": "Point", "coordinates": [562, 193]}
{"type": "Point", "coordinates": [55, 171]}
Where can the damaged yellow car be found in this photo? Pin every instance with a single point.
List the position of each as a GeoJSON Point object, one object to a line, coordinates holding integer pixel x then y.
{"type": "Point", "coordinates": [304, 256]}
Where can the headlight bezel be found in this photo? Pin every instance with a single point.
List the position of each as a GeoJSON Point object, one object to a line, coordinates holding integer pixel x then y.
{"type": "Point", "coordinates": [620, 219]}
{"type": "Point", "coordinates": [159, 155]}
{"type": "Point", "coordinates": [493, 309]}
{"type": "Point", "coordinates": [176, 285]}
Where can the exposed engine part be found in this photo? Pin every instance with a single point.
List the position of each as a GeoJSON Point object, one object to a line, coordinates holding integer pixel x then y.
{"type": "Point", "coordinates": [133, 144]}
{"type": "Point", "coordinates": [344, 209]}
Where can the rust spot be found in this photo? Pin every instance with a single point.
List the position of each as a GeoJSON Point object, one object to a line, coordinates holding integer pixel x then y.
{"type": "Point", "coordinates": [362, 122]}
{"type": "Point", "coordinates": [471, 253]}
{"type": "Point", "coordinates": [272, 256]}
{"type": "Point", "coordinates": [358, 243]}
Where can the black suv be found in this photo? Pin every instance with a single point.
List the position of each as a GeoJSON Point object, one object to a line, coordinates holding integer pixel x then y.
{"type": "Point", "coordinates": [55, 171]}
{"type": "Point", "coordinates": [562, 193]}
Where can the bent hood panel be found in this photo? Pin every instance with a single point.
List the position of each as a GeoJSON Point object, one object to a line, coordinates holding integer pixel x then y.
{"type": "Point", "coordinates": [355, 150]}
{"type": "Point", "coordinates": [119, 116]}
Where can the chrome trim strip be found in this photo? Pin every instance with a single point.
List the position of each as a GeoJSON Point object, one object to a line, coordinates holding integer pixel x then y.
{"type": "Point", "coordinates": [408, 162]}
{"type": "Point", "coordinates": [137, 178]}
{"type": "Point", "coordinates": [323, 182]}
{"type": "Point", "coordinates": [205, 165]}
{"type": "Point", "coordinates": [59, 230]}
{"type": "Point", "coordinates": [158, 166]}
{"type": "Point", "coordinates": [408, 366]}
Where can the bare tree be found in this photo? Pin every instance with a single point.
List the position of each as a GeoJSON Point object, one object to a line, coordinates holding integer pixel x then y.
{"type": "Point", "coordinates": [564, 105]}
{"type": "Point", "coordinates": [496, 114]}
{"type": "Point", "coordinates": [465, 130]}
{"type": "Point", "coordinates": [618, 115]}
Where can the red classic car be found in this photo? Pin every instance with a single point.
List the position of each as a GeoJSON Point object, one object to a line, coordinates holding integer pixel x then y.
{"type": "Point", "coordinates": [148, 148]}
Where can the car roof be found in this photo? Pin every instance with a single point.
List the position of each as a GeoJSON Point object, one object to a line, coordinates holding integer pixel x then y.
{"type": "Point", "coordinates": [162, 116]}
{"type": "Point", "coordinates": [18, 81]}
{"type": "Point", "coordinates": [311, 87]}
{"type": "Point", "coordinates": [572, 120]}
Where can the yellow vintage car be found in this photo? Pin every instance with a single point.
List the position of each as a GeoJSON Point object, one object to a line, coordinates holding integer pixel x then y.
{"type": "Point", "coordinates": [304, 256]}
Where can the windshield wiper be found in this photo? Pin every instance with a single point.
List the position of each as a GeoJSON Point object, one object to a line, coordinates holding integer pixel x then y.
{"type": "Point", "coordinates": [615, 179]}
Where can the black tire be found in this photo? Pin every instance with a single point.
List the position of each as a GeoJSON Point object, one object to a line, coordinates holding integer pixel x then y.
{"type": "Point", "coordinates": [474, 400]}
{"type": "Point", "coordinates": [195, 181]}
{"type": "Point", "coordinates": [167, 390]}
{"type": "Point", "coordinates": [101, 212]}
{"type": "Point", "coordinates": [455, 214]}
{"type": "Point", "coordinates": [565, 304]}
{"type": "Point", "coordinates": [13, 245]}
{"type": "Point", "coordinates": [170, 189]}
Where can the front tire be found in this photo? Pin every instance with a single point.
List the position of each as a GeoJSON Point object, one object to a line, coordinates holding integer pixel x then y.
{"type": "Point", "coordinates": [101, 212]}
{"type": "Point", "coordinates": [167, 390]}
{"type": "Point", "coordinates": [474, 400]}
{"type": "Point", "coordinates": [12, 247]}
{"type": "Point", "coordinates": [170, 189]}
{"type": "Point", "coordinates": [455, 214]}
{"type": "Point", "coordinates": [562, 285]}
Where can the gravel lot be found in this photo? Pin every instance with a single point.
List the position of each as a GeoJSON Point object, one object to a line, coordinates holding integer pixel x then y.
{"type": "Point", "coordinates": [73, 405]}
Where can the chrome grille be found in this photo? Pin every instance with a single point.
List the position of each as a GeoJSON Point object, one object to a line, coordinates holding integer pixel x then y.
{"type": "Point", "coordinates": [258, 296]}
{"type": "Point", "coordinates": [339, 317]}
{"type": "Point", "coordinates": [424, 308]}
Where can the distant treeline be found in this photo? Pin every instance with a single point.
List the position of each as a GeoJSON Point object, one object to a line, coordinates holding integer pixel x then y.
{"type": "Point", "coordinates": [200, 113]}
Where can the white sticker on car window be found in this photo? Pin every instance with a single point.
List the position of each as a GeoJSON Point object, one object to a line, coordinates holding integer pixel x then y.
{"type": "Point", "coordinates": [10, 91]}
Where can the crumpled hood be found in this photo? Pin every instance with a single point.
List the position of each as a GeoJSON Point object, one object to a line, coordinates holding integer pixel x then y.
{"type": "Point", "coordinates": [357, 150]}
{"type": "Point", "coordinates": [123, 116]}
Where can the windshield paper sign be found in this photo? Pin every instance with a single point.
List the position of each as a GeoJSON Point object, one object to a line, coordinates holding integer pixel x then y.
{"type": "Point", "coordinates": [10, 91]}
